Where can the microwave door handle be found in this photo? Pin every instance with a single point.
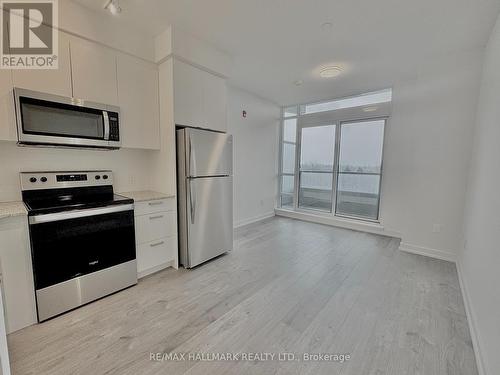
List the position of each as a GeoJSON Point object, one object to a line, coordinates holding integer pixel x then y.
{"type": "Point", "coordinates": [106, 125]}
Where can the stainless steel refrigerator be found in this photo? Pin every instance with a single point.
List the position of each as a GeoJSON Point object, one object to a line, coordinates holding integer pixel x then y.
{"type": "Point", "coordinates": [205, 195]}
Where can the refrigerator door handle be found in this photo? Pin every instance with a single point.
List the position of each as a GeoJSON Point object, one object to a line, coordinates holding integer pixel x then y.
{"type": "Point", "coordinates": [192, 159]}
{"type": "Point", "coordinates": [192, 200]}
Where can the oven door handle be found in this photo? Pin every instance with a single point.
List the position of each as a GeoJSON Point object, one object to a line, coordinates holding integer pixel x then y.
{"type": "Point", "coordinates": [59, 216]}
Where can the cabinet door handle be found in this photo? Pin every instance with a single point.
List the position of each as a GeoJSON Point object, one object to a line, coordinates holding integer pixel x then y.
{"type": "Point", "coordinates": [155, 217]}
{"type": "Point", "coordinates": [155, 203]}
{"type": "Point", "coordinates": [157, 244]}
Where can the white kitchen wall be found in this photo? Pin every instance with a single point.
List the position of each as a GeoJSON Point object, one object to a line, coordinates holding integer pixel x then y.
{"type": "Point", "coordinates": [132, 168]}
{"type": "Point", "coordinates": [479, 260]}
{"type": "Point", "coordinates": [255, 154]}
{"type": "Point", "coordinates": [428, 146]}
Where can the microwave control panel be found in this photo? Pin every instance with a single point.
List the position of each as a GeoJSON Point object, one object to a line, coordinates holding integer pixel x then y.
{"type": "Point", "coordinates": [114, 129]}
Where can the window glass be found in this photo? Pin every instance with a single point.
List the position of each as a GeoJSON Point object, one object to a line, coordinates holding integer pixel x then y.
{"type": "Point", "coordinates": [286, 201]}
{"type": "Point", "coordinates": [360, 166]}
{"type": "Point", "coordinates": [358, 195]}
{"type": "Point", "coordinates": [316, 167]}
{"type": "Point", "coordinates": [361, 146]}
{"type": "Point", "coordinates": [289, 130]}
{"type": "Point", "coordinates": [288, 158]}
{"type": "Point", "coordinates": [287, 184]}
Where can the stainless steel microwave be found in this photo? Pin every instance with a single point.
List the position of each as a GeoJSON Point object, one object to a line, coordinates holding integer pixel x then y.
{"type": "Point", "coordinates": [52, 120]}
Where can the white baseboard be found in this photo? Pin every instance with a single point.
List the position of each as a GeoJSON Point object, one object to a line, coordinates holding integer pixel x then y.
{"type": "Point", "coordinates": [426, 251]}
{"type": "Point", "coordinates": [368, 227]}
{"type": "Point", "coordinates": [254, 219]}
{"type": "Point", "coordinates": [471, 318]}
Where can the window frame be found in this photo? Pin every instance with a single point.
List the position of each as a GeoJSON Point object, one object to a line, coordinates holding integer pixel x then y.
{"type": "Point", "coordinates": [334, 117]}
{"type": "Point", "coordinates": [281, 144]}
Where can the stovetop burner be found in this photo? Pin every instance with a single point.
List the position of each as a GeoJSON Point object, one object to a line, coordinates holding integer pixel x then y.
{"type": "Point", "coordinates": [45, 192]}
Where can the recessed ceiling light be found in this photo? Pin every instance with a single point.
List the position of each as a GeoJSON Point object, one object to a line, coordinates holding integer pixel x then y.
{"type": "Point", "coordinates": [113, 7]}
{"type": "Point", "coordinates": [370, 109]}
{"type": "Point", "coordinates": [330, 71]}
{"type": "Point", "coordinates": [298, 82]}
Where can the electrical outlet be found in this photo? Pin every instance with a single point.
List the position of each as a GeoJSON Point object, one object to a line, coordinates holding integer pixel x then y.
{"type": "Point", "coordinates": [436, 228]}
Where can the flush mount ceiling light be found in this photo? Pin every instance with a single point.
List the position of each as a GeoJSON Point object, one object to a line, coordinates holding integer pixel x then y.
{"type": "Point", "coordinates": [327, 26]}
{"type": "Point", "coordinates": [330, 72]}
{"type": "Point", "coordinates": [113, 7]}
{"type": "Point", "coordinates": [298, 82]}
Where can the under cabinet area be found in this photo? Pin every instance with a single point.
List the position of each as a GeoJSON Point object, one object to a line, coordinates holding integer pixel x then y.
{"type": "Point", "coordinates": [156, 235]}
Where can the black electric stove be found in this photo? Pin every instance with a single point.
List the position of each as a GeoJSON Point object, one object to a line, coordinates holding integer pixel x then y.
{"type": "Point", "coordinates": [82, 238]}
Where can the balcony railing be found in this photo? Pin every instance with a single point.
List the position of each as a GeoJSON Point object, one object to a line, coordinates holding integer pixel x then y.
{"type": "Point", "coordinates": [358, 197]}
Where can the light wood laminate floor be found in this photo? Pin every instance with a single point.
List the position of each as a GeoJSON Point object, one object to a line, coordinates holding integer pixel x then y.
{"type": "Point", "coordinates": [288, 286]}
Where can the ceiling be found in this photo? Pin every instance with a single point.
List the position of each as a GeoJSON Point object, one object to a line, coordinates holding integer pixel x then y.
{"type": "Point", "coordinates": [277, 42]}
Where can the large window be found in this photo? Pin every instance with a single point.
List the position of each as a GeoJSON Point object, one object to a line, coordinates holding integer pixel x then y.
{"type": "Point", "coordinates": [331, 163]}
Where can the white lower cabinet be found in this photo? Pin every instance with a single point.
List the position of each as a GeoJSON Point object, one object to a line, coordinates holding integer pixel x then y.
{"type": "Point", "coordinates": [155, 255]}
{"type": "Point", "coordinates": [17, 274]}
{"type": "Point", "coordinates": [156, 235]}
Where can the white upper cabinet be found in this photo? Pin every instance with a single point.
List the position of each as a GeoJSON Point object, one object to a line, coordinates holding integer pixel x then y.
{"type": "Point", "coordinates": [199, 98]}
{"type": "Point", "coordinates": [139, 103]}
{"type": "Point", "coordinates": [52, 81]}
{"type": "Point", "coordinates": [215, 102]}
{"type": "Point", "coordinates": [94, 72]}
{"type": "Point", "coordinates": [188, 95]}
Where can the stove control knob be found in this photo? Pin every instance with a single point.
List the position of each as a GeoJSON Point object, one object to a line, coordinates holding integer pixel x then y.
{"type": "Point", "coordinates": [97, 177]}
{"type": "Point", "coordinates": [105, 176]}
{"type": "Point", "coordinates": [33, 180]}
{"type": "Point", "coordinates": [43, 179]}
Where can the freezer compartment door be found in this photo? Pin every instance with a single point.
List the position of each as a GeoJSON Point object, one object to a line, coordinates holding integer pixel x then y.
{"type": "Point", "coordinates": [208, 153]}
{"type": "Point", "coordinates": [209, 218]}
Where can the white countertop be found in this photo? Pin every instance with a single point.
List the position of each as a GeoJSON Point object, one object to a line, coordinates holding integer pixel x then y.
{"type": "Point", "coordinates": [145, 195]}
{"type": "Point", "coordinates": [11, 209]}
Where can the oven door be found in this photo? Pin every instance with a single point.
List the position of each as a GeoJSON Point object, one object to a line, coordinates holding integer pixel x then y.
{"type": "Point", "coordinates": [72, 244]}
{"type": "Point", "coordinates": [44, 119]}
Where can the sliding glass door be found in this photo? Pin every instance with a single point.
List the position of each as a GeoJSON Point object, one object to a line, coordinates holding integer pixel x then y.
{"type": "Point", "coordinates": [360, 169]}
{"type": "Point", "coordinates": [316, 167]}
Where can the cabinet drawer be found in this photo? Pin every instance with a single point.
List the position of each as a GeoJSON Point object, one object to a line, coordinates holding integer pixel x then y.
{"type": "Point", "coordinates": [153, 255]}
{"type": "Point", "coordinates": [154, 226]}
{"type": "Point", "coordinates": [149, 207]}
